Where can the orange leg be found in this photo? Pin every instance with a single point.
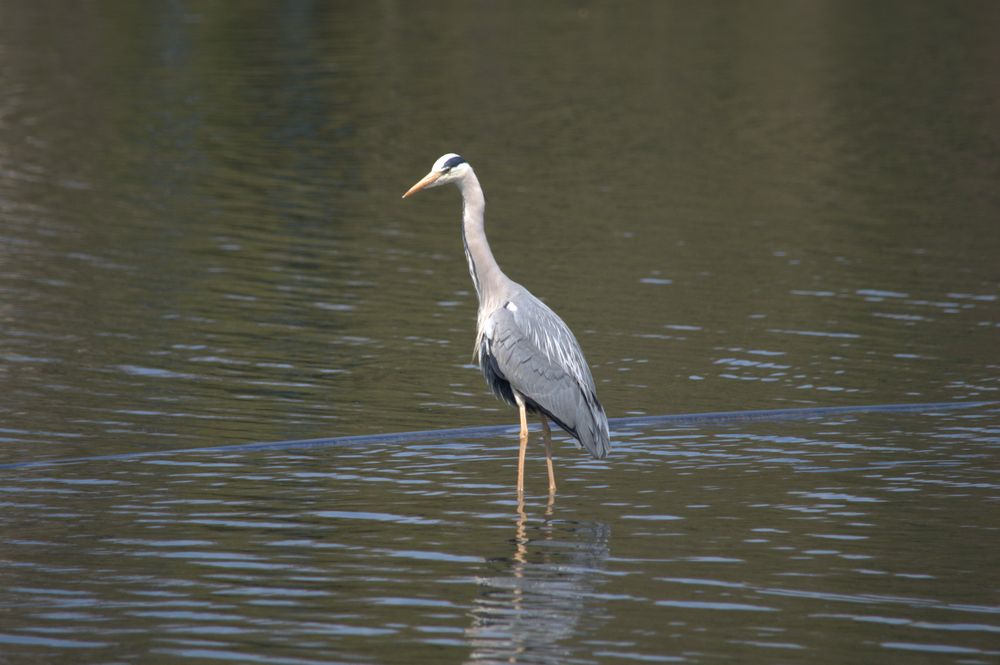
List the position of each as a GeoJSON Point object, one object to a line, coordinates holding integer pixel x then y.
{"type": "Point", "coordinates": [524, 444]}
{"type": "Point", "coordinates": [548, 453]}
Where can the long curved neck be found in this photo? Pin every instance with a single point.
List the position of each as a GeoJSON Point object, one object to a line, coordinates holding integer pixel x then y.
{"type": "Point", "coordinates": [487, 277]}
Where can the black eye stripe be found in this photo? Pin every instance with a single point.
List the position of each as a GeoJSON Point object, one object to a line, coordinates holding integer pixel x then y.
{"type": "Point", "coordinates": [452, 163]}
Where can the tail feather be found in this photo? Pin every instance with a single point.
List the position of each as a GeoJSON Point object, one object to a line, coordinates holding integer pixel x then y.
{"type": "Point", "coordinates": [592, 429]}
{"type": "Point", "coordinates": [583, 417]}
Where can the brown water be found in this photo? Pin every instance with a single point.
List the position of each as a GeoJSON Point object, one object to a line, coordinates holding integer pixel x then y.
{"type": "Point", "coordinates": [778, 205]}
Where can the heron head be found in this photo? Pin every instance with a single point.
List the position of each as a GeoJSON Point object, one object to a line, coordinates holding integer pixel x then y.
{"type": "Point", "coordinates": [448, 168]}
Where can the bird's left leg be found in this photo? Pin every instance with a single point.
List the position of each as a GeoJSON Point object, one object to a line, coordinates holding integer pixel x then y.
{"type": "Point", "coordinates": [547, 433]}
{"type": "Point", "coordinates": [524, 443]}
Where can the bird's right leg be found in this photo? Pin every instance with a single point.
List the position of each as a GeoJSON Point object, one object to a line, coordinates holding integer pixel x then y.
{"type": "Point", "coordinates": [524, 443]}
{"type": "Point", "coordinates": [547, 435]}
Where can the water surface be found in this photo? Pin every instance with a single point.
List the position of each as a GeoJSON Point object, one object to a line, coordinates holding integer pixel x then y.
{"type": "Point", "coordinates": [202, 243]}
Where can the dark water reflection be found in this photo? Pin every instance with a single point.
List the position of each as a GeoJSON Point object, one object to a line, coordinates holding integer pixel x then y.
{"type": "Point", "coordinates": [864, 537]}
{"type": "Point", "coordinates": [735, 207]}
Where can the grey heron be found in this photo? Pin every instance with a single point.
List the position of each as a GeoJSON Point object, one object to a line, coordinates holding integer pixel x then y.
{"type": "Point", "coordinates": [527, 354]}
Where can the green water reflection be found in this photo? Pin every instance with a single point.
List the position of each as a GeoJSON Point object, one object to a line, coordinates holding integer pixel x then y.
{"type": "Point", "coordinates": [204, 240]}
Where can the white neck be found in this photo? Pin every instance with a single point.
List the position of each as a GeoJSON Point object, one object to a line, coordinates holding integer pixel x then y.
{"type": "Point", "coordinates": [489, 280]}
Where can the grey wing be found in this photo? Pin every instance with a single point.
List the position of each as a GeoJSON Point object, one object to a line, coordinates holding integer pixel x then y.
{"type": "Point", "coordinates": [527, 345]}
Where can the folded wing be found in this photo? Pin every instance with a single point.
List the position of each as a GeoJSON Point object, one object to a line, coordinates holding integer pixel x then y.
{"type": "Point", "coordinates": [526, 345]}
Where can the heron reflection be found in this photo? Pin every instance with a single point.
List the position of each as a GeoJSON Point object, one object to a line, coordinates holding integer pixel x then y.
{"type": "Point", "coordinates": [530, 606]}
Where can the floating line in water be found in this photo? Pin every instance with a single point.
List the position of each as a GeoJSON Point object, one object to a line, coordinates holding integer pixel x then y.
{"type": "Point", "coordinates": [680, 419]}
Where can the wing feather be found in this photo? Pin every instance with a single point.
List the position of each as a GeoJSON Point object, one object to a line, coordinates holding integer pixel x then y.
{"type": "Point", "coordinates": [527, 345]}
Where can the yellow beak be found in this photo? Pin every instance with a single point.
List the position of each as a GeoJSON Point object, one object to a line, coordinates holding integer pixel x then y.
{"type": "Point", "coordinates": [424, 182]}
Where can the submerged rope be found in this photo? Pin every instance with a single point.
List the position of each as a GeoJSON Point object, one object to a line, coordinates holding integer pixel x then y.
{"type": "Point", "coordinates": [680, 419]}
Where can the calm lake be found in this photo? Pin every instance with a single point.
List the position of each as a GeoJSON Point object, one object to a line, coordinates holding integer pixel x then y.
{"type": "Point", "coordinates": [736, 207]}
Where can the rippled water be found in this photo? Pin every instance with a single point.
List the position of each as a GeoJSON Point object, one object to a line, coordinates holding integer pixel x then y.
{"type": "Point", "coordinates": [869, 537]}
{"type": "Point", "coordinates": [735, 208]}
